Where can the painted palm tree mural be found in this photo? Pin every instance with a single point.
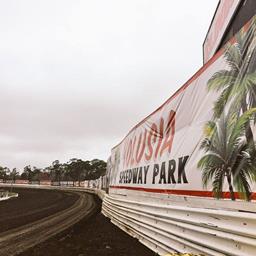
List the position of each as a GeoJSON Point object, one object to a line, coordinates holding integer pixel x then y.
{"type": "Point", "coordinates": [229, 143]}
{"type": "Point", "coordinates": [228, 155]}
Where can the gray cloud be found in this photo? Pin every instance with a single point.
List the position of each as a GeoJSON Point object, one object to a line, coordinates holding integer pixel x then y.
{"type": "Point", "coordinates": [76, 76]}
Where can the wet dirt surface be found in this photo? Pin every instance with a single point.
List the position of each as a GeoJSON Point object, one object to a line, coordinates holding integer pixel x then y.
{"type": "Point", "coordinates": [94, 236]}
{"type": "Point", "coordinates": [32, 205]}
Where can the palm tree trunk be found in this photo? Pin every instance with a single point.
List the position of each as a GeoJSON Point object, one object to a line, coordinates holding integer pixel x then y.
{"type": "Point", "coordinates": [232, 194]}
{"type": "Point", "coordinates": [248, 130]}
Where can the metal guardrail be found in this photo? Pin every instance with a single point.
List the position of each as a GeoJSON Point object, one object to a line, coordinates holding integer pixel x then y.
{"type": "Point", "coordinates": [171, 228]}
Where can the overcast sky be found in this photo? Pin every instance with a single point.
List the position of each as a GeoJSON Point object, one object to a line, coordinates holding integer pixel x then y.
{"type": "Point", "coordinates": [76, 76]}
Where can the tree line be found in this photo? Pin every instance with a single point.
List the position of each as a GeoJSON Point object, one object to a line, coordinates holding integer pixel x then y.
{"type": "Point", "coordinates": [74, 170]}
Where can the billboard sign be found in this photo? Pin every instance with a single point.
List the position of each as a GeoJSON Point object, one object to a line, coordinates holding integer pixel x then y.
{"type": "Point", "coordinates": [200, 142]}
{"type": "Point", "coordinates": [220, 22]}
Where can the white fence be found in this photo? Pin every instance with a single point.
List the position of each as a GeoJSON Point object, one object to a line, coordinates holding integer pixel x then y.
{"type": "Point", "coordinates": [173, 227]}
{"type": "Point", "coordinates": [100, 183]}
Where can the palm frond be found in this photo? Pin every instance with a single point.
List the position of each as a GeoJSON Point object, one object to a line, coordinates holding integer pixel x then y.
{"type": "Point", "coordinates": [233, 57]}
{"type": "Point", "coordinates": [209, 128]}
{"type": "Point", "coordinates": [242, 185]}
{"type": "Point", "coordinates": [211, 160]}
{"type": "Point", "coordinates": [239, 127]}
{"type": "Point", "coordinates": [242, 85]}
{"type": "Point", "coordinates": [221, 102]}
{"type": "Point", "coordinates": [210, 164]}
{"type": "Point", "coordinates": [220, 80]}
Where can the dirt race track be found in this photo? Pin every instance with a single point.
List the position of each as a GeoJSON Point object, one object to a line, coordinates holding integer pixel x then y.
{"type": "Point", "coordinates": [32, 205]}
{"type": "Point", "coordinates": [42, 222]}
{"type": "Point", "coordinates": [50, 212]}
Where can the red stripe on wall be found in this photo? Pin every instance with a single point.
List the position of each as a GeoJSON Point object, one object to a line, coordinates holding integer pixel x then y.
{"type": "Point", "coordinates": [199, 193]}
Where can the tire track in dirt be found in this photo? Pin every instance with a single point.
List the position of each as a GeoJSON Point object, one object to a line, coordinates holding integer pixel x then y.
{"type": "Point", "coordinates": [17, 240]}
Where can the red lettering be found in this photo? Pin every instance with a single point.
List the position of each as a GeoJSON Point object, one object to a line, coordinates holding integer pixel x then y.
{"type": "Point", "coordinates": [160, 136]}
{"type": "Point", "coordinates": [153, 141]}
{"type": "Point", "coordinates": [153, 132]}
{"type": "Point", "coordinates": [128, 155]}
{"type": "Point", "coordinates": [132, 152]}
{"type": "Point", "coordinates": [139, 155]}
{"type": "Point", "coordinates": [169, 133]}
